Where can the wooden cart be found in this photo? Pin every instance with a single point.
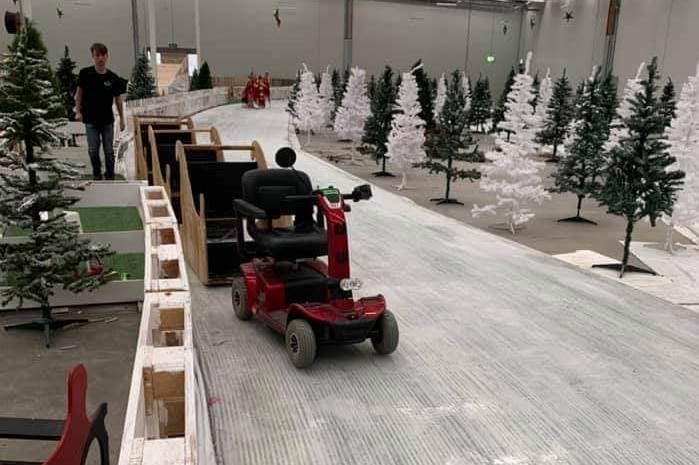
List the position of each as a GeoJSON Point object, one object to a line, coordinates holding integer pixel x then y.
{"type": "Point", "coordinates": [207, 190]}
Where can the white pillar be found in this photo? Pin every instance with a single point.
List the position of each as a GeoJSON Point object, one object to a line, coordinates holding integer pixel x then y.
{"type": "Point", "coordinates": [153, 46]}
{"type": "Point", "coordinates": [25, 9]}
{"type": "Point", "coordinates": [197, 32]}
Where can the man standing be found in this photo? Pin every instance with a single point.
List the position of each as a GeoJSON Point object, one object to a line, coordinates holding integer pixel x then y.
{"type": "Point", "coordinates": [98, 89]}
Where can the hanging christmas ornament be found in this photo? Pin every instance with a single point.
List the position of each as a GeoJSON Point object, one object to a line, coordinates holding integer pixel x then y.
{"type": "Point", "coordinates": [505, 27]}
{"type": "Point", "coordinates": [568, 6]}
{"type": "Point", "coordinates": [277, 18]}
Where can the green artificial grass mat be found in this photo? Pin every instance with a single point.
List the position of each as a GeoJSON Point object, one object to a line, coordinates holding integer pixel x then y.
{"type": "Point", "coordinates": [88, 177]}
{"type": "Point", "coordinates": [98, 219]}
{"type": "Point", "coordinates": [131, 263]}
{"type": "Point", "coordinates": [102, 219]}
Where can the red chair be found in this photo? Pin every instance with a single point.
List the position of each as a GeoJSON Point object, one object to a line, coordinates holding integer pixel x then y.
{"type": "Point", "coordinates": [74, 434]}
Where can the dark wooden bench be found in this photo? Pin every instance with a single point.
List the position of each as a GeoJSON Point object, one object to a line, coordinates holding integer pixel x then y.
{"type": "Point", "coordinates": [75, 434]}
{"type": "Point", "coordinates": [207, 191]}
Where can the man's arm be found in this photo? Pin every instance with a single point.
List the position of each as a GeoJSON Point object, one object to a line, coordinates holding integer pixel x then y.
{"type": "Point", "coordinates": [120, 109]}
{"type": "Point", "coordinates": [78, 104]}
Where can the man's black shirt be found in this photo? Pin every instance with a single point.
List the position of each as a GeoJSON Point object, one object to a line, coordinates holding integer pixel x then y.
{"type": "Point", "coordinates": [99, 91]}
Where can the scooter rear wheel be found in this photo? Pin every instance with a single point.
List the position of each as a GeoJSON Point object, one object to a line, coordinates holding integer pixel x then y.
{"type": "Point", "coordinates": [300, 343]}
{"type": "Point", "coordinates": [239, 298]}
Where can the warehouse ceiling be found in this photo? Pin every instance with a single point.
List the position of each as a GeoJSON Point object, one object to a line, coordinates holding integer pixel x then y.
{"type": "Point", "coordinates": [489, 5]}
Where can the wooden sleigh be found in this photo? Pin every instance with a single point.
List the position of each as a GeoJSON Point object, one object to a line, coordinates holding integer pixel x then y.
{"type": "Point", "coordinates": [144, 163]}
{"type": "Point", "coordinates": [166, 171]}
{"type": "Point", "coordinates": [207, 190]}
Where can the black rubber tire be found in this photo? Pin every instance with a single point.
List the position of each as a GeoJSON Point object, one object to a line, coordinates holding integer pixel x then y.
{"type": "Point", "coordinates": [239, 299]}
{"type": "Point", "coordinates": [387, 340]}
{"type": "Point", "coordinates": [300, 343]}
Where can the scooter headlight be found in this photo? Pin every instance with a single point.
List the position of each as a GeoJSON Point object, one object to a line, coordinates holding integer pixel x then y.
{"type": "Point", "coordinates": [350, 284]}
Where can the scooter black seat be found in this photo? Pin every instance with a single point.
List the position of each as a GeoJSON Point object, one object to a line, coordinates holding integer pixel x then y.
{"type": "Point", "coordinates": [269, 190]}
{"type": "Point", "coordinates": [288, 244]}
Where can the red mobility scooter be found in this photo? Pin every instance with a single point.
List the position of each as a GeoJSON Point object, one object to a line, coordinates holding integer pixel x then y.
{"type": "Point", "coordinates": [285, 285]}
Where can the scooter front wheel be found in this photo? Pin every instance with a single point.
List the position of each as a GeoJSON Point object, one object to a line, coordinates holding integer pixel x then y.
{"type": "Point", "coordinates": [300, 343]}
{"type": "Point", "coordinates": [387, 340]}
{"type": "Point", "coordinates": [239, 298]}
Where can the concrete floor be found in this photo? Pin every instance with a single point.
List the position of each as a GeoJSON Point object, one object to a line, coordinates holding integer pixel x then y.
{"type": "Point", "coordinates": [507, 355]}
{"type": "Point", "coordinates": [33, 378]}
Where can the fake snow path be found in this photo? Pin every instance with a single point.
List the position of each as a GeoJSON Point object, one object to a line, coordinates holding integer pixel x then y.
{"type": "Point", "coordinates": [507, 356]}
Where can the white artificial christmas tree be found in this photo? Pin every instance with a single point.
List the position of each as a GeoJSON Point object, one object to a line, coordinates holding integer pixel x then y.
{"type": "Point", "coordinates": [618, 129]}
{"type": "Point", "coordinates": [512, 175]}
{"type": "Point", "coordinates": [355, 108]}
{"type": "Point", "coordinates": [542, 105]}
{"type": "Point", "coordinates": [308, 108]}
{"type": "Point", "coordinates": [441, 97]}
{"type": "Point", "coordinates": [683, 140]}
{"type": "Point", "coordinates": [465, 83]}
{"type": "Point", "coordinates": [407, 138]}
{"type": "Point", "coordinates": [327, 100]}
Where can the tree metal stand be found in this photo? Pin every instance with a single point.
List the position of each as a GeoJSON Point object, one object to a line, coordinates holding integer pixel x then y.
{"type": "Point", "coordinates": [627, 268]}
{"type": "Point", "coordinates": [383, 173]}
{"type": "Point", "coordinates": [577, 219]}
{"type": "Point", "coordinates": [442, 201]}
{"type": "Point", "coordinates": [46, 323]}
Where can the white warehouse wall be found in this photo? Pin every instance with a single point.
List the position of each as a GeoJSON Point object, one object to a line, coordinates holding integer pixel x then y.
{"type": "Point", "coordinates": [83, 23]}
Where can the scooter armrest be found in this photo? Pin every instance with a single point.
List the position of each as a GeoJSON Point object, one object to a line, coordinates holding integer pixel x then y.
{"type": "Point", "coordinates": [249, 210]}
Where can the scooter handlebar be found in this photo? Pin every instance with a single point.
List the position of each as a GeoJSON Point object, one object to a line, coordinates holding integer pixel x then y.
{"type": "Point", "coordinates": [362, 192]}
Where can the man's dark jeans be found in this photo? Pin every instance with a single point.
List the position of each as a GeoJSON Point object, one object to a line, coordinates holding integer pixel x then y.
{"type": "Point", "coordinates": [103, 134]}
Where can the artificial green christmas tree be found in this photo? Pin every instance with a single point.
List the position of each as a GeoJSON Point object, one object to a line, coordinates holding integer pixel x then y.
{"type": "Point", "coordinates": [68, 79]}
{"type": "Point", "coordinates": [424, 95]}
{"type": "Point", "coordinates": [32, 192]}
{"type": "Point", "coordinates": [33, 41]}
{"type": "Point", "coordinates": [142, 83]}
{"type": "Point", "coordinates": [205, 81]}
{"type": "Point", "coordinates": [450, 139]}
{"type": "Point", "coordinates": [499, 110]}
{"type": "Point", "coordinates": [609, 97]}
{"type": "Point", "coordinates": [293, 95]}
{"type": "Point", "coordinates": [558, 116]}
{"type": "Point", "coordinates": [337, 86]}
{"type": "Point", "coordinates": [481, 104]}
{"type": "Point", "coordinates": [378, 125]}
{"type": "Point", "coordinates": [371, 88]}
{"type": "Point", "coordinates": [536, 84]}
{"type": "Point", "coordinates": [637, 181]}
{"type": "Point", "coordinates": [579, 171]}
{"type": "Point", "coordinates": [668, 103]}
{"type": "Point", "coordinates": [194, 81]}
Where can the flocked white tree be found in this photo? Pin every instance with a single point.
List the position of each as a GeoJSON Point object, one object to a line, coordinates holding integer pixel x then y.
{"type": "Point", "coordinates": [466, 84]}
{"type": "Point", "coordinates": [683, 140]}
{"type": "Point", "coordinates": [618, 129]}
{"type": "Point", "coordinates": [407, 138]}
{"type": "Point", "coordinates": [308, 108]}
{"type": "Point", "coordinates": [441, 97]}
{"type": "Point", "coordinates": [355, 108]}
{"type": "Point", "coordinates": [327, 100]}
{"type": "Point", "coordinates": [542, 105]}
{"type": "Point", "coordinates": [512, 175]}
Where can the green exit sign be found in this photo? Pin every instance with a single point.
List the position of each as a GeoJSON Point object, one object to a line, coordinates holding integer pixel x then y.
{"type": "Point", "coordinates": [490, 59]}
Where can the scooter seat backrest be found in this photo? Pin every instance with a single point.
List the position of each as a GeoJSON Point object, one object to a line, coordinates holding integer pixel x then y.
{"type": "Point", "coordinates": [267, 189]}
